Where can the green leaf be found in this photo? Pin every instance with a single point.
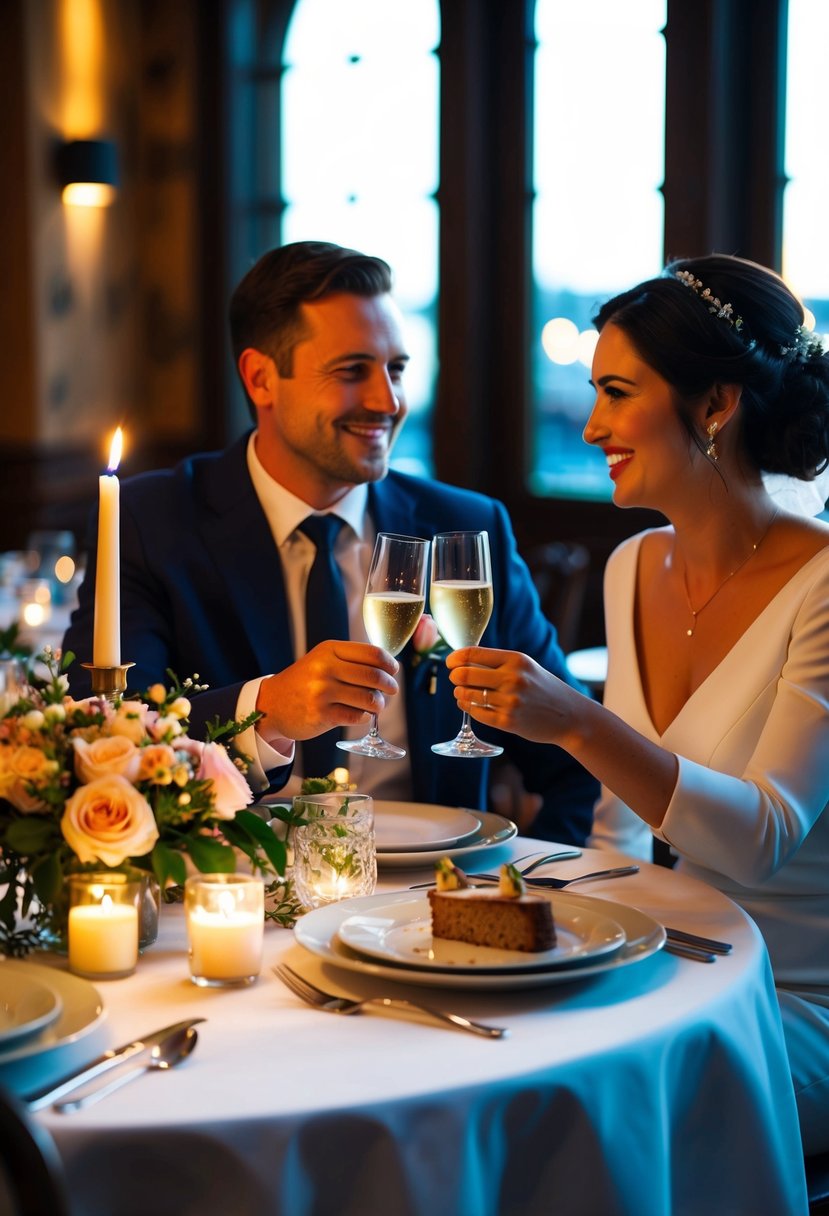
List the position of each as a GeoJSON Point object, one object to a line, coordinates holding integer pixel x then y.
{"type": "Point", "coordinates": [210, 856]}
{"type": "Point", "coordinates": [167, 864]}
{"type": "Point", "coordinates": [30, 835]}
{"type": "Point", "coordinates": [262, 835]}
{"type": "Point", "coordinates": [47, 878]}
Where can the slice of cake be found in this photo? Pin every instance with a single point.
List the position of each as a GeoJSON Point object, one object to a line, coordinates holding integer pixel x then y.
{"type": "Point", "coordinates": [506, 918]}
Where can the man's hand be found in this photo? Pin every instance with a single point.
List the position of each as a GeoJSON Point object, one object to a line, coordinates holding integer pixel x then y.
{"type": "Point", "coordinates": [335, 684]}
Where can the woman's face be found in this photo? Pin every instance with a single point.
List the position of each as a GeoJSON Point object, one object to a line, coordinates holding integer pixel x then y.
{"type": "Point", "coordinates": [635, 422]}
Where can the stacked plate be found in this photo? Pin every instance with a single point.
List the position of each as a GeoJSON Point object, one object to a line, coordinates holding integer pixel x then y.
{"type": "Point", "coordinates": [42, 1008]}
{"type": "Point", "coordinates": [389, 936]}
{"type": "Point", "coordinates": [410, 834]}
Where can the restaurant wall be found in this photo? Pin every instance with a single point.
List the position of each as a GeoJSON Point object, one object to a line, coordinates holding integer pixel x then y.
{"type": "Point", "coordinates": [99, 306]}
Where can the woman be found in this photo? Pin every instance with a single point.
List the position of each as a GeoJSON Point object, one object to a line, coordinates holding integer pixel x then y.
{"type": "Point", "coordinates": [714, 734]}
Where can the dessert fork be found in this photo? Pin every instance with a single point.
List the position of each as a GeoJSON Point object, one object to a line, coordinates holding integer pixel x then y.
{"type": "Point", "coordinates": [329, 1003]}
{"type": "Point", "coordinates": [556, 884]}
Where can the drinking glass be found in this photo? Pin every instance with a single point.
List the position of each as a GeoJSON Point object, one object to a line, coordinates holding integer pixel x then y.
{"type": "Point", "coordinates": [392, 606]}
{"type": "Point", "coordinates": [334, 850]}
{"type": "Point", "coordinates": [460, 600]}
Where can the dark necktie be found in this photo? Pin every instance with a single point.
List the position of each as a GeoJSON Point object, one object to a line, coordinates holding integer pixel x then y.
{"type": "Point", "coordinates": [326, 616]}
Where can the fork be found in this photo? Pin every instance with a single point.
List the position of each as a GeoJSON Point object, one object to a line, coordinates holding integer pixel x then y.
{"type": "Point", "coordinates": [329, 1003]}
{"type": "Point", "coordinates": [556, 884]}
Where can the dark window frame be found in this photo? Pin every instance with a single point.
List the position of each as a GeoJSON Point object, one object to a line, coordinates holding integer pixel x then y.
{"type": "Point", "coordinates": [723, 190]}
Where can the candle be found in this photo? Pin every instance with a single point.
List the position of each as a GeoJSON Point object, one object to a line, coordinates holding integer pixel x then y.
{"type": "Point", "coordinates": [103, 938]}
{"type": "Point", "coordinates": [225, 921]}
{"type": "Point", "coordinates": [106, 645]}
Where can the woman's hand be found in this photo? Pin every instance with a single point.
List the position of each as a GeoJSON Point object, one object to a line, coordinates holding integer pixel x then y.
{"type": "Point", "coordinates": [511, 691]}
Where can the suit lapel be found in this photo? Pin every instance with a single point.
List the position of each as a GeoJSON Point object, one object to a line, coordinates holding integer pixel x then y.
{"type": "Point", "coordinates": [235, 530]}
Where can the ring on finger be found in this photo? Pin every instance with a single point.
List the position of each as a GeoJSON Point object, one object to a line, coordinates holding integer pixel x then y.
{"type": "Point", "coordinates": [486, 701]}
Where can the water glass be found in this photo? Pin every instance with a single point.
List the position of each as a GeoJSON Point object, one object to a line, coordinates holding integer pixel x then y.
{"type": "Point", "coordinates": [334, 851]}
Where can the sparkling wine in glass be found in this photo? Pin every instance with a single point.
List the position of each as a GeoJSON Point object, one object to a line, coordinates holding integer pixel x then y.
{"type": "Point", "coordinates": [460, 600]}
{"type": "Point", "coordinates": [392, 606]}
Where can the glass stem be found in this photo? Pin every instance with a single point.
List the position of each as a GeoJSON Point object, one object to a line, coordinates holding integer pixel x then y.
{"type": "Point", "coordinates": [373, 733]}
{"type": "Point", "coordinates": [466, 730]}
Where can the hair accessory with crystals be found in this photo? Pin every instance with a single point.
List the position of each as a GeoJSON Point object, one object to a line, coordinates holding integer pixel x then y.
{"type": "Point", "coordinates": [724, 312]}
{"type": "Point", "coordinates": [805, 345]}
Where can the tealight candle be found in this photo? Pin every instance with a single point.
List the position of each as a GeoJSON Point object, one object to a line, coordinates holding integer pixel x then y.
{"type": "Point", "coordinates": [103, 926]}
{"type": "Point", "coordinates": [225, 923]}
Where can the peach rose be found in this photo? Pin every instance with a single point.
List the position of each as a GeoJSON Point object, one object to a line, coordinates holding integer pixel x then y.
{"type": "Point", "coordinates": [108, 820]}
{"type": "Point", "coordinates": [230, 790]}
{"type": "Point", "coordinates": [105, 756]}
{"type": "Point", "coordinates": [129, 721]}
{"type": "Point", "coordinates": [20, 769]}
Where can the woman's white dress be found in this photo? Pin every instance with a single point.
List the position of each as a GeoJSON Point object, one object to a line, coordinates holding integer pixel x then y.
{"type": "Point", "coordinates": [747, 814]}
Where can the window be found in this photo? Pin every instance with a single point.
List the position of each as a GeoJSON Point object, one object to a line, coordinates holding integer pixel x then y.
{"type": "Point", "coordinates": [359, 139]}
{"type": "Point", "coordinates": [598, 216]}
{"type": "Point", "coordinates": [805, 250]}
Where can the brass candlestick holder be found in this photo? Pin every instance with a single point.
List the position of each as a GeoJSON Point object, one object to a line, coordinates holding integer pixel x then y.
{"type": "Point", "coordinates": [108, 682]}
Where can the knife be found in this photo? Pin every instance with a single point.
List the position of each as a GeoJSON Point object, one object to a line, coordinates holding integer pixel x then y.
{"type": "Point", "coordinates": [110, 1059]}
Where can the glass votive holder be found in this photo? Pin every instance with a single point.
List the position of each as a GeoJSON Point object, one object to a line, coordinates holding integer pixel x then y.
{"type": "Point", "coordinates": [334, 852]}
{"type": "Point", "coordinates": [225, 927]}
{"type": "Point", "coordinates": [103, 925]}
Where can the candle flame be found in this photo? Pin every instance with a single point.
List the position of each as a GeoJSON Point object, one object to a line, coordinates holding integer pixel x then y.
{"type": "Point", "coordinates": [115, 451]}
{"type": "Point", "coordinates": [106, 903]}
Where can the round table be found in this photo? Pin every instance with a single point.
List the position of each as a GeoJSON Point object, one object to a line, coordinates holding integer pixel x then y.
{"type": "Point", "coordinates": [660, 1089]}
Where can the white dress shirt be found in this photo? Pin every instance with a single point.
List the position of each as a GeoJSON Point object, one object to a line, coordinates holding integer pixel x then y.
{"type": "Point", "coordinates": [352, 552]}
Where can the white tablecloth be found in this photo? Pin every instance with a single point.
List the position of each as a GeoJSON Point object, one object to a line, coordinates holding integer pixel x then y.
{"type": "Point", "coordinates": [661, 1090]}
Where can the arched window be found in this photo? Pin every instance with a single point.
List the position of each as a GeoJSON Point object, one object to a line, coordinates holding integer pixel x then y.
{"type": "Point", "coordinates": [598, 222]}
{"type": "Point", "coordinates": [359, 161]}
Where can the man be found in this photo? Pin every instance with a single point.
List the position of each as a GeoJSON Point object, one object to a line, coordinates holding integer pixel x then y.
{"type": "Point", "coordinates": [215, 562]}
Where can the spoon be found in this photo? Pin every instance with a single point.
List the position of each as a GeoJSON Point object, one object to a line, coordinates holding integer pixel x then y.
{"type": "Point", "coordinates": [163, 1056]}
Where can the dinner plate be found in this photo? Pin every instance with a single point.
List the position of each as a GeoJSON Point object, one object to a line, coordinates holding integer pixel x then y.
{"type": "Point", "coordinates": [493, 830]}
{"type": "Point", "coordinates": [414, 827]}
{"type": "Point", "coordinates": [317, 932]}
{"type": "Point", "coordinates": [27, 1006]}
{"type": "Point", "coordinates": [82, 1009]}
{"type": "Point", "coordinates": [401, 932]}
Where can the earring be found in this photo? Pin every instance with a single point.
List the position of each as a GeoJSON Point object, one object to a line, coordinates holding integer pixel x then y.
{"type": "Point", "coordinates": [711, 448]}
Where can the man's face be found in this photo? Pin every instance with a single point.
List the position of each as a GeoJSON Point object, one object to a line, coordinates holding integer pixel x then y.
{"type": "Point", "coordinates": [331, 425]}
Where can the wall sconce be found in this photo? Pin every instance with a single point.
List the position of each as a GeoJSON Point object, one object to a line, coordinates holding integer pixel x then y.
{"type": "Point", "coordinates": [88, 172]}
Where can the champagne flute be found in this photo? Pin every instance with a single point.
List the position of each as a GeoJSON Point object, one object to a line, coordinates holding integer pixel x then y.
{"type": "Point", "coordinates": [392, 606]}
{"type": "Point", "coordinates": [460, 600]}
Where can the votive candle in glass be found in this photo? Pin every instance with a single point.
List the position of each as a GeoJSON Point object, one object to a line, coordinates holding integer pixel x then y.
{"type": "Point", "coordinates": [225, 925]}
{"type": "Point", "coordinates": [103, 925]}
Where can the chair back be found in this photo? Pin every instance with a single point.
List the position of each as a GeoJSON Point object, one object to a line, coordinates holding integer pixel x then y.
{"type": "Point", "coordinates": [560, 571]}
{"type": "Point", "coordinates": [31, 1173]}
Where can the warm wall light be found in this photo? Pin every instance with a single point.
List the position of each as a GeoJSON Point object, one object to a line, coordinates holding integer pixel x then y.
{"type": "Point", "coordinates": [88, 172]}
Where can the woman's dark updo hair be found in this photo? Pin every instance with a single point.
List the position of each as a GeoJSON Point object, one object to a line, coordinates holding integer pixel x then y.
{"type": "Point", "coordinates": [785, 397]}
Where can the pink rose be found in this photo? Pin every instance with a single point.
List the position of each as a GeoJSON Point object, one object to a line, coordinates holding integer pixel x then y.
{"type": "Point", "coordinates": [108, 820]}
{"type": "Point", "coordinates": [106, 756]}
{"type": "Point", "coordinates": [426, 636]}
{"type": "Point", "coordinates": [230, 790]}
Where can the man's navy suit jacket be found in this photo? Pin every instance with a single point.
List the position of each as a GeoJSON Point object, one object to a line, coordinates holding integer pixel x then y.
{"type": "Point", "coordinates": [202, 592]}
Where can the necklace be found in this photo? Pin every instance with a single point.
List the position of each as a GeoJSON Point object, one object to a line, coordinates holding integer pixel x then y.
{"type": "Point", "coordinates": [695, 612]}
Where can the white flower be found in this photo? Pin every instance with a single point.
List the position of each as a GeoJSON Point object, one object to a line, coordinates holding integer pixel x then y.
{"type": "Point", "coordinates": [33, 720]}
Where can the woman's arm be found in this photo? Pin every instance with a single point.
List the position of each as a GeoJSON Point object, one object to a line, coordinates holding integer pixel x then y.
{"type": "Point", "coordinates": [527, 700]}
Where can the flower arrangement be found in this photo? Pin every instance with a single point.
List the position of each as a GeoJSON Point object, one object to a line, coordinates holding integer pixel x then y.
{"type": "Point", "coordinates": [92, 783]}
